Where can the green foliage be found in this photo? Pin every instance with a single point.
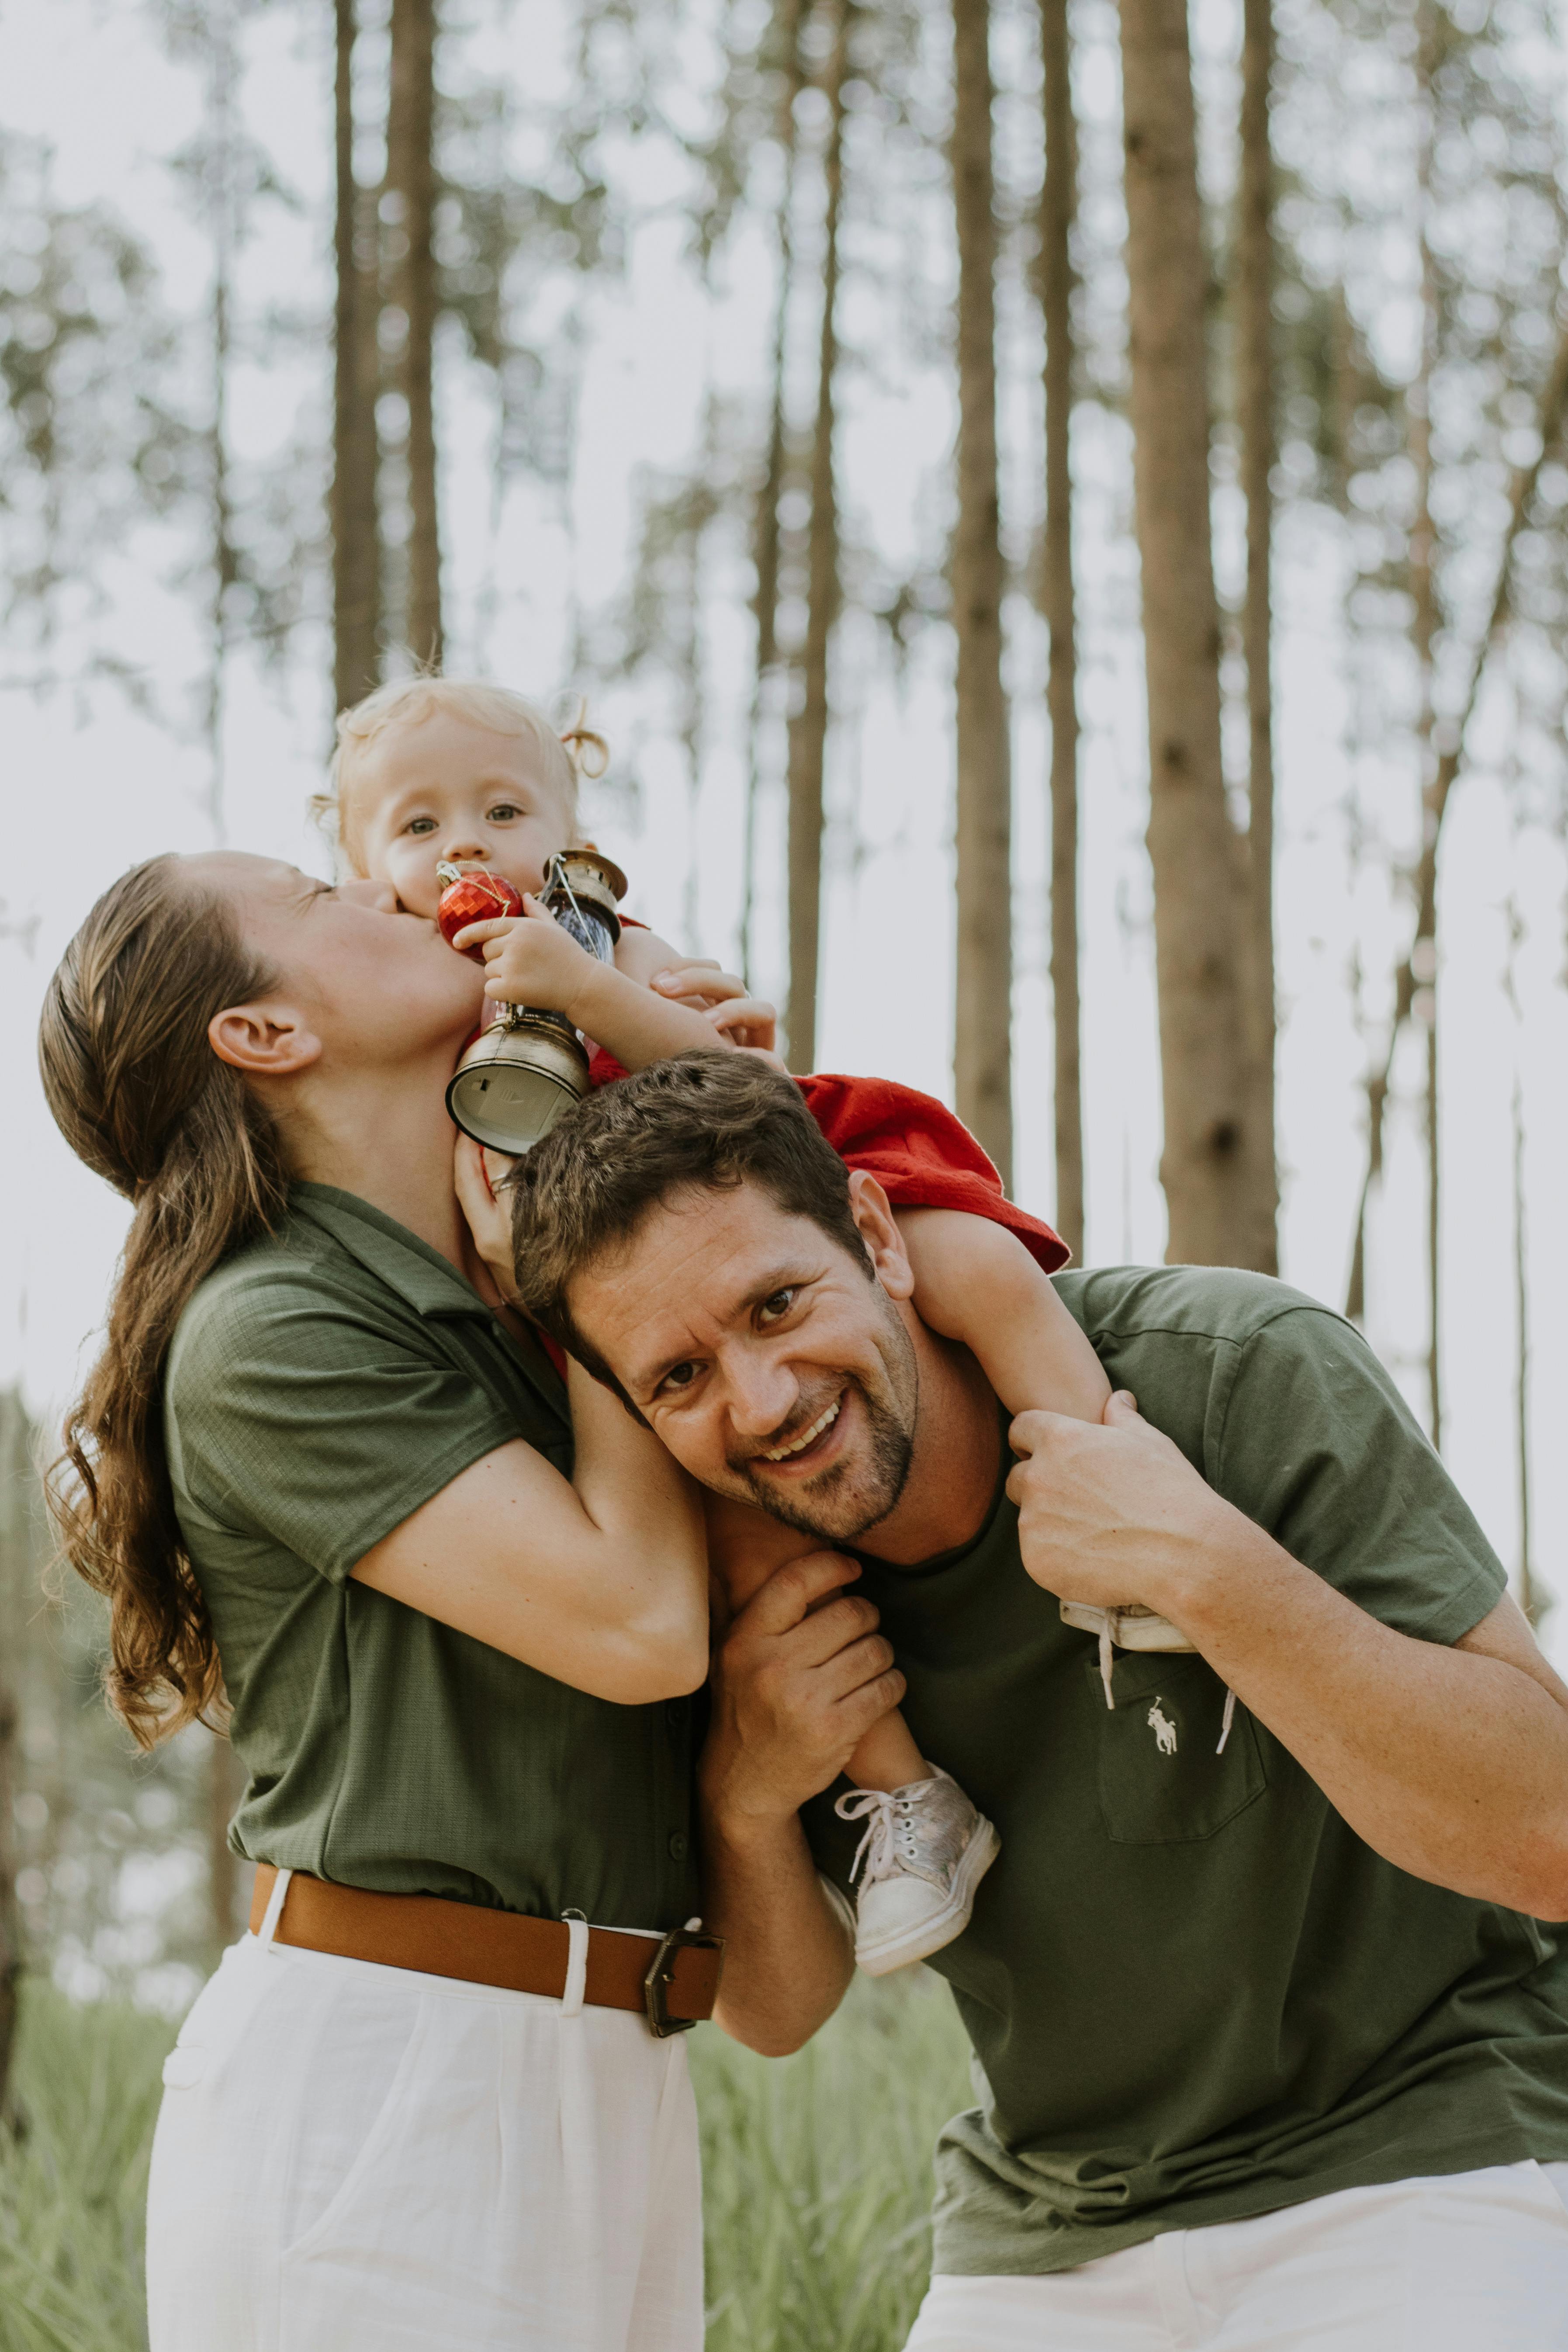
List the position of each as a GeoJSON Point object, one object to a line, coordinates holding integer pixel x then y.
{"type": "Point", "coordinates": [818, 2174]}
{"type": "Point", "coordinates": [73, 2176]}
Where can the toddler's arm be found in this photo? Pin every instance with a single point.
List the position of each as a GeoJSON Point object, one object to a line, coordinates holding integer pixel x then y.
{"type": "Point", "coordinates": [530, 960]}
{"type": "Point", "coordinates": [976, 1283]}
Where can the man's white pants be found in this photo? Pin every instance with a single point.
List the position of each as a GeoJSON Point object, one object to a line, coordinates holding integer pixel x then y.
{"type": "Point", "coordinates": [1474, 2262]}
{"type": "Point", "coordinates": [354, 2159]}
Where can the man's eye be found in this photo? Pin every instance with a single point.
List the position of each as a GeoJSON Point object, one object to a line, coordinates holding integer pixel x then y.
{"type": "Point", "coordinates": [420, 824]}
{"type": "Point", "coordinates": [502, 810]}
{"type": "Point", "coordinates": [775, 1309]}
{"type": "Point", "coordinates": [678, 1377]}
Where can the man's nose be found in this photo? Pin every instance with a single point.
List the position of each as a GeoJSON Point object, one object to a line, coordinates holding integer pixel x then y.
{"type": "Point", "coordinates": [763, 1395]}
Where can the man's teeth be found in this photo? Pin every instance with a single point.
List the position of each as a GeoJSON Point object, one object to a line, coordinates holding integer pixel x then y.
{"type": "Point", "coordinates": [808, 1437]}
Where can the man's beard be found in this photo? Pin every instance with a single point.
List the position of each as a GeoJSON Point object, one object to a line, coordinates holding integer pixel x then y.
{"type": "Point", "coordinates": [856, 1493]}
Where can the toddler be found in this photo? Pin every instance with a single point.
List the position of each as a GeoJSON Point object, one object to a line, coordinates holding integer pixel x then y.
{"type": "Point", "coordinates": [432, 769]}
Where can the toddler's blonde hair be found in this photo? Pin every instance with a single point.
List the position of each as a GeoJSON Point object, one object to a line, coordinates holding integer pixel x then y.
{"type": "Point", "coordinates": [566, 754]}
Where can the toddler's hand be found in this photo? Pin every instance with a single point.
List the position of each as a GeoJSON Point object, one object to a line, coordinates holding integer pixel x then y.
{"type": "Point", "coordinates": [487, 1214]}
{"type": "Point", "coordinates": [530, 960]}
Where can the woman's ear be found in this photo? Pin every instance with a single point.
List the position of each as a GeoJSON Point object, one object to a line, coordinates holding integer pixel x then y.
{"type": "Point", "coordinates": [878, 1229]}
{"type": "Point", "coordinates": [266, 1040]}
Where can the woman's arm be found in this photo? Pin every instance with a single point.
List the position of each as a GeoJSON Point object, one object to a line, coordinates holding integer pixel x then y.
{"type": "Point", "coordinates": [599, 1580]}
{"type": "Point", "coordinates": [977, 1284]}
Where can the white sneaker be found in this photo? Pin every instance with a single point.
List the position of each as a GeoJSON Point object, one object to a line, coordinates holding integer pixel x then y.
{"type": "Point", "coordinates": [925, 1850]}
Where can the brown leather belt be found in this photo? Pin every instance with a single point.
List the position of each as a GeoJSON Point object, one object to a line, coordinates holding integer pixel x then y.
{"type": "Point", "coordinates": [672, 1981]}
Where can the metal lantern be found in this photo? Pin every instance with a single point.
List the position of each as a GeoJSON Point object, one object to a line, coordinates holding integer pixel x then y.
{"type": "Point", "coordinates": [530, 1066]}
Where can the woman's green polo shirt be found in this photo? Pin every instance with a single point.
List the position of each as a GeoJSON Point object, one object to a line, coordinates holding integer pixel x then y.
{"type": "Point", "coordinates": [322, 1384]}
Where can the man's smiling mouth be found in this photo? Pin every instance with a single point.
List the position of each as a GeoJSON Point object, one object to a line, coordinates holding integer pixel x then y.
{"type": "Point", "coordinates": [808, 1436]}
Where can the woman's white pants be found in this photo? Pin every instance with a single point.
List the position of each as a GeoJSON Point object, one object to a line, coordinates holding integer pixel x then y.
{"type": "Point", "coordinates": [1473, 2261]}
{"type": "Point", "coordinates": [354, 2159]}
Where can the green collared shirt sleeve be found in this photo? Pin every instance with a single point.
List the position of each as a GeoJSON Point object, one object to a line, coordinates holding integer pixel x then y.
{"type": "Point", "coordinates": [318, 1419]}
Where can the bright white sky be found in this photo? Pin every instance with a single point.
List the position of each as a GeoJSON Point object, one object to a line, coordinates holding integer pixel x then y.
{"type": "Point", "coordinates": [89, 787]}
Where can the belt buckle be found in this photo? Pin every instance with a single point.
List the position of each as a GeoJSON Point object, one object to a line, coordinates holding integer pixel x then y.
{"type": "Point", "coordinates": [660, 1976]}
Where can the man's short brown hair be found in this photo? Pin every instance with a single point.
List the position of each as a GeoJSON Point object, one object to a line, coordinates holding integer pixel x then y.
{"type": "Point", "coordinates": [710, 1120]}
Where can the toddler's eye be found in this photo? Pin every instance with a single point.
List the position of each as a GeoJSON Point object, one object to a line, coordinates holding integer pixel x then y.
{"type": "Point", "coordinates": [775, 1309]}
{"type": "Point", "coordinates": [502, 812]}
{"type": "Point", "coordinates": [420, 826]}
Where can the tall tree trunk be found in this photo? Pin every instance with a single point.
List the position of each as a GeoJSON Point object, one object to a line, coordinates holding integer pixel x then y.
{"type": "Point", "coordinates": [356, 536]}
{"type": "Point", "coordinates": [808, 729]}
{"type": "Point", "coordinates": [1212, 1162]}
{"type": "Point", "coordinates": [1058, 207]}
{"type": "Point", "coordinates": [1413, 974]}
{"type": "Point", "coordinates": [411, 174]}
{"type": "Point", "coordinates": [765, 535]}
{"type": "Point", "coordinates": [1255, 407]}
{"type": "Point", "coordinates": [982, 1024]}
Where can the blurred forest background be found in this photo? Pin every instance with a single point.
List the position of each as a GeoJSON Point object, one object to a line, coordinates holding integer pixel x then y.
{"type": "Point", "coordinates": [1062, 512]}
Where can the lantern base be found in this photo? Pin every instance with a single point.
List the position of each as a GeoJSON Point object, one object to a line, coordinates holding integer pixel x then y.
{"type": "Point", "coordinates": [516, 1080]}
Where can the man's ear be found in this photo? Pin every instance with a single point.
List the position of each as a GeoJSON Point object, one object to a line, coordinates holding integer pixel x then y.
{"type": "Point", "coordinates": [878, 1229]}
{"type": "Point", "coordinates": [265, 1040]}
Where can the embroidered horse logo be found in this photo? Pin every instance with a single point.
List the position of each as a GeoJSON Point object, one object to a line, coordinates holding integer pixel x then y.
{"type": "Point", "coordinates": [1164, 1729]}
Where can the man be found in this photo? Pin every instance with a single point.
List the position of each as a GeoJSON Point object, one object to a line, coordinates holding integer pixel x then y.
{"type": "Point", "coordinates": [1273, 2048]}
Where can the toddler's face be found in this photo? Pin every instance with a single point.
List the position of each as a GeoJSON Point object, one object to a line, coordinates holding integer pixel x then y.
{"type": "Point", "coordinates": [447, 788]}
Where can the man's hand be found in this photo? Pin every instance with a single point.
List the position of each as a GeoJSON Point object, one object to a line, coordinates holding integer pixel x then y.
{"type": "Point", "coordinates": [1113, 1513]}
{"type": "Point", "coordinates": [801, 1677]}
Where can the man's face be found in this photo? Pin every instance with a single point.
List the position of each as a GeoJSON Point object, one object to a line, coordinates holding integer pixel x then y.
{"type": "Point", "coordinates": [770, 1363]}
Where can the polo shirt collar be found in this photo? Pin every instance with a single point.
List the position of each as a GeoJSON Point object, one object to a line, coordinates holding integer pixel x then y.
{"type": "Point", "coordinates": [420, 1276]}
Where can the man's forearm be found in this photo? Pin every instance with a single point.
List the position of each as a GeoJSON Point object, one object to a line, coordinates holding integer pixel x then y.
{"type": "Point", "coordinates": [1451, 1763]}
{"type": "Point", "coordinates": [788, 1957]}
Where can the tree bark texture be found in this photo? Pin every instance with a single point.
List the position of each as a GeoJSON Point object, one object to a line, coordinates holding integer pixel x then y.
{"type": "Point", "coordinates": [356, 534]}
{"type": "Point", "coordinates": [1213, 1163]}
{"type": "Point", "coordinates": [982, 1061]}
{"type": "Point", "coordinates": [1058, 207]}
{"type": "Point", "coordinates": [411, 175]}
{"type": "Point", "coordinates": [765, 533]}
{"type": "Point", "coordinates": [1254, 415]}
{"type": "Point", "coordinates": [1449, 766]}
{"type": "Point", "coordinates": [808, 727]}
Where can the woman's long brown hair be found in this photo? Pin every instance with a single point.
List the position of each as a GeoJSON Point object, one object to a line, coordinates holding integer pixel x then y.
{"type": "Point", "coordinates": [140, 1094]}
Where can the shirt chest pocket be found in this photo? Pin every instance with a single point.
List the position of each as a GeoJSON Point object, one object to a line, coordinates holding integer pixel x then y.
{"type": "Point", "coordinates": [1162, 1782]}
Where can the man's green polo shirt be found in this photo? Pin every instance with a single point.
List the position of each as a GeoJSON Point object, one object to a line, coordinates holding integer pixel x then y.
{"type": "Point", "coordinates": [1194, 1993]}
{"type": "Point", "coordinates": [322, 1384]}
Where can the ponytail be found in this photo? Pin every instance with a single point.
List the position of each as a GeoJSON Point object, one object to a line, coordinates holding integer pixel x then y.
{"type": "Point", "coordinates": [141, 1096]}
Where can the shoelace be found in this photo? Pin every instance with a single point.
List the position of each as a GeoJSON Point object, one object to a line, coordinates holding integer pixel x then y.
{"type": "Point", "coordinates": [1108, 1665]}
{"type": "Point", "coordinates": [888, 1816]}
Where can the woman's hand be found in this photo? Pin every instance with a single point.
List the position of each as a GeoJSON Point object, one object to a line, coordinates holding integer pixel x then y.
{"type": "Point", "coordinates": [476, 1175]}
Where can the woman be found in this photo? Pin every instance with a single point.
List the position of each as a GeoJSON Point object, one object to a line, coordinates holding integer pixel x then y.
{"type": "Point", "coordinates": [457, 1611]}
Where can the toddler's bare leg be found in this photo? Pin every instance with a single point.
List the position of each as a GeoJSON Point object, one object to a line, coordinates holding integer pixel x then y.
{"type": "Point", "coordinates": [744, 1548]}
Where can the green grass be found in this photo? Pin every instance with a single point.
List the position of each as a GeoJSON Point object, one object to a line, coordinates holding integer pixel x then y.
{"type": "Point", "coordinates": [73, 2177]}
{"type": "Point", "coordinates": [816, 2167]}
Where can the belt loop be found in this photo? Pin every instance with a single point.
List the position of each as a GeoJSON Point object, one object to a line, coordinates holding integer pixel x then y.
{"type": "Point", "coordinates": [576, 1982]}
{"type": "Point", "coordinates": [274, 1911]}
